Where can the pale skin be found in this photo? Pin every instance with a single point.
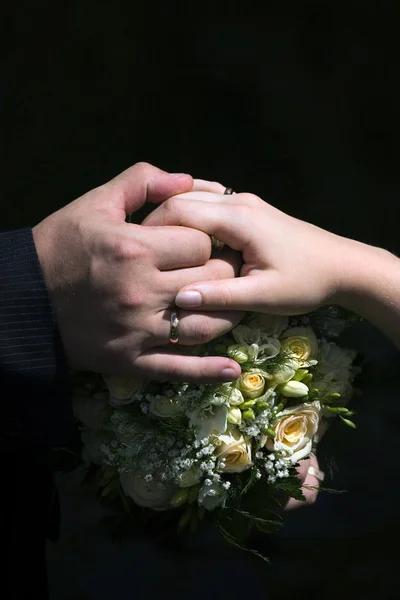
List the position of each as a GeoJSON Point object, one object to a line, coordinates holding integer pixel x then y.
{"type": "Point", "coordinates": [289, 267]}
{"type": "Point", "coordinates": [113, 284]}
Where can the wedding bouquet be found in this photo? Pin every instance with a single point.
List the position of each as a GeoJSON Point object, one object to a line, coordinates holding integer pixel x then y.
{"type": "Point", "coordinates": [226, 452]}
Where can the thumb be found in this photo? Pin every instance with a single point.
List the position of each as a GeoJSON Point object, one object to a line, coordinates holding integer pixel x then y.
{"type": "Point", "coordinates": [243, 293]}
{"type": "Point", "coordinates": [145, 183]}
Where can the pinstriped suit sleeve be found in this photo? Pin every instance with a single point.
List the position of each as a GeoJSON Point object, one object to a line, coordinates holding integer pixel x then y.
{"type": "Point", "coordinates": [35, 410]}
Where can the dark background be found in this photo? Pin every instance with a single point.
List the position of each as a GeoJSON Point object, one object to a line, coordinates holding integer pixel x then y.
{"type": "Point", "coordinates": [297, 102]}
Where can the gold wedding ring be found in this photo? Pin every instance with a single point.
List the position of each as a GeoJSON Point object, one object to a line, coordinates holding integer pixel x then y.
{"type": "Point", "coordinates": [174, 328]}
{"type": "Point", "coordinates": [317, 473]}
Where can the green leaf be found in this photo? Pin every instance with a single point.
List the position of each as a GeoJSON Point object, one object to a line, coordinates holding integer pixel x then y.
{"type": "Point", "coordinates": [233, 542]}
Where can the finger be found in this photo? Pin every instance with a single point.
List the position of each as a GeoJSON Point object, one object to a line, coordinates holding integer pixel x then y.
{"type": "Point", "coordinates": [228, 222]}
{"type": "Point", "coordinates": [177, 247]}
{"type": "Point", "coordinates": [196, 328]}
{"type": "Point", "coordinates": [145, 183]}
{"type": "Point", "coordinates": [202, 185]}
{"type": "Point", "coordinates": [168, 366]}
{"type": "Point", "coordinates": [310, 484]}
{"type": "Point", "coordinates": [249, 293]}
{"type": "Point", "coordinates": [225, 265]}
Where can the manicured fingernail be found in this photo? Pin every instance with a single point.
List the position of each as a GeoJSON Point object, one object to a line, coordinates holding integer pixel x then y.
{"type": "Point", "coordinates": [190, 299]}
{"type": "Point", "coordinates": [229, 374]}
{"type": "Point", "coordinates": [177, 174]}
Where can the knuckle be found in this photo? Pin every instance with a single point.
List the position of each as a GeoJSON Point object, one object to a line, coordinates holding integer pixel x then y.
{"type": "Point", "coordinates": [125, 249]}
{"type": "Point", "coordinates": [131, 298]}
{"type": "Point", "coordinates": [250, 199]}
{"type": "Point", "coordinates": [311, 497]}
{"type": "Point", "coordinates": [142, 168]}
{"type": "Point", "coordinates": [172, 205]}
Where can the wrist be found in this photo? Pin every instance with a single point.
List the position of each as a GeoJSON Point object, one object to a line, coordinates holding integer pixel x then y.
{"type": "Point", "coordinates": [362, 273]}
{"type": "Point", "coordinates": [370, 287]}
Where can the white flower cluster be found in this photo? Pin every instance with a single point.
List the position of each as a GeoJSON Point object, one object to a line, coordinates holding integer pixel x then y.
{"type": "Point", "coordinates": [172, 444]}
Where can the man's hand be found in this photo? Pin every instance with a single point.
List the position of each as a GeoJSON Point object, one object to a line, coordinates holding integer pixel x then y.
{"type": "Point", "coordinates": [113, 284]}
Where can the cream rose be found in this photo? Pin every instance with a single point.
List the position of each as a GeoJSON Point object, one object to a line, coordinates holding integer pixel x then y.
{"type": "Point", "coordinates": [151, 494]}
{"type": "Point", "coordinates": [235, 452]}
{"type": "Point", "coordinates": [252, 384]}
{"type": "Point", "coordinates": [122, 389]}
{"type": "Point", "coordinates": [295, 430]}
{"type": "Point", "coordinates": [300, 342]}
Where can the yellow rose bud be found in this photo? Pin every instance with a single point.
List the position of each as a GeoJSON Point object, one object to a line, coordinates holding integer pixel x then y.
{"type": "Point", "coordinates": [293, 389]}
{"type": "Point", "coordinates": [189, 477]}
{"type": "Point", "coordinates": [247, 404]}
{"type": "Point", "coordinates": [193, 493]}
{"type": "Point", "coordinates": [300, 375]}
{"type": "Point", "coordinates": [252, 385]}
{"type": "Point", "coordinates": [235, 416]}
{"type": "Point", "coordinates": [180, 497]}
{"type": "Point", "coordinates": [236, 397]}
{"type": "Point", "coordinates": [248, 415]}
{"type": "Point", "coordinates": [238, 352]}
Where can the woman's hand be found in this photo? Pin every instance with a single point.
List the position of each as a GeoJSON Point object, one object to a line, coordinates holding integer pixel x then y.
{"type": "Point", "coordinates": [289, 266]}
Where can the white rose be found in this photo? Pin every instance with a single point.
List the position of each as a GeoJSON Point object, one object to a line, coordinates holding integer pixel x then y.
{"type": "Point", "coordinates": [235, 452]}
{"type": "Point", "coordinates": [165, 407]}
{"type": "Point", "coordinates": [271, 325]}
{"type": "Point", "coordinates": [335, 372]}
{"type": "Point", "coordinates": [211, 496]}
{"type": "Point", "coordinates": [214, 421]}
{"type": "Point", "coordinates": [122, 389]}
{"type": "Point", "coordinates": [295, 430]}
{"type": "Point", "coordinates": [90, 410]}
{"type": "Point", "coordinates": [150, 494]}
{"type": "Point", "coordinates": [300, 342]}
